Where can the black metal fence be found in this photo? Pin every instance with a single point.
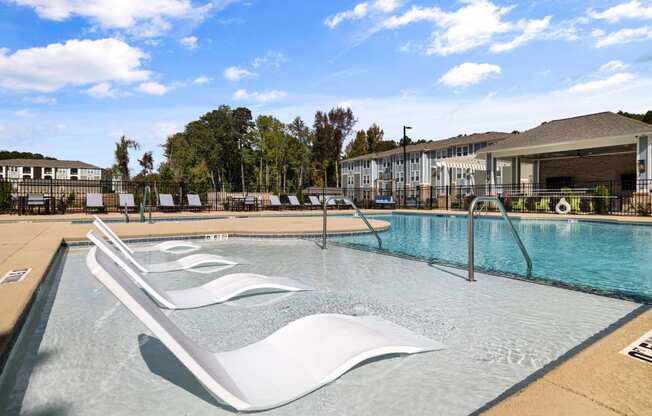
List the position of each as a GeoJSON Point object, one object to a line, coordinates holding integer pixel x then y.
{"type": "Point", "coordinates": [70, 196]}
{"type": "Point", "coordinates": [606, 198]}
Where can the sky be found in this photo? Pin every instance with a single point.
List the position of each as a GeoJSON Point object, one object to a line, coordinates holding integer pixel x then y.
{"type": "Point", "coordinates": [75, 75]}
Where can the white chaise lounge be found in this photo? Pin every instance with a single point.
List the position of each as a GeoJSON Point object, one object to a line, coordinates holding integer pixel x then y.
{"type": "Point", "coordinates": [171, 247]}
{"type": "Point", "coordinates": [292, 362]}
{"type": "Point", "coordinates": [195, 262]}
{"type": "Point", "coordinates": [219, 290]}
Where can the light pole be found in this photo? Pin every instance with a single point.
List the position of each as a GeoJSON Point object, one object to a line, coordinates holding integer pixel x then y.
{"type": "Point", "coordinates": [405, 139]}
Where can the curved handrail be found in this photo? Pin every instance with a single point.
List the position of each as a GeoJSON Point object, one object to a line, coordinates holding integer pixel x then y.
{"type": "Point", "coordinates": [357, 210]}
{"type": "Point", "coordinates": [471, 237]}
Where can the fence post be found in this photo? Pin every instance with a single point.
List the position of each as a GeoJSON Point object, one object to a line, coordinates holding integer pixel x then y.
{"type": "Point", "coordinates": [53, 201]}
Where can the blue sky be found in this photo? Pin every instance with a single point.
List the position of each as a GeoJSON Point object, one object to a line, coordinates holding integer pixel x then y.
{"type": "Point", "coordinates": [76, 74]}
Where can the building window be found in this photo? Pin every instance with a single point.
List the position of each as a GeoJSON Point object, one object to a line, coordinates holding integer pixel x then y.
{"type": "Point", "coordinates": [74, 171]}
{"type": "Point", "coordinates": [465, 151]}
{"type": "Point", "coordinates": [47, 170]}
{"type": "Point", "coordinates": [27, 170]}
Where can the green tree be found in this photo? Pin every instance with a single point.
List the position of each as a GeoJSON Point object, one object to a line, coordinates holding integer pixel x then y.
{"type": "Point", "coordinates": [645, 118]}
{"type": "Point", "coordinates": [375, 135]}
{"type": "Point", "coordinates": [331, 129]}
{"type": "Point", "coordinates": [358, 146]}
{"type": "Point", "coordinates": [147, 163]}
{"type": "Point", "coordinates": [122, 155]}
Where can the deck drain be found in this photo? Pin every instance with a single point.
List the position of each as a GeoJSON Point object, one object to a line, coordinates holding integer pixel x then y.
{"type": "Point", "coordinates": [641, 349]}
{"type": "Point", "coordinates": [217, 237]}
{"type": "Point", "coordinates": [15, 276]}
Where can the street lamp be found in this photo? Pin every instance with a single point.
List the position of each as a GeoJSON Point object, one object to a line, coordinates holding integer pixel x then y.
{"type": "Point", "coordinates": [405, 139]}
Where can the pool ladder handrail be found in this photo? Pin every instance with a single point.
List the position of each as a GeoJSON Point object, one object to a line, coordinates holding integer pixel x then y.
{"type": "Point", "coordinates": [358, 212]}
{"type": "Point", "coordinates": [471, 233]}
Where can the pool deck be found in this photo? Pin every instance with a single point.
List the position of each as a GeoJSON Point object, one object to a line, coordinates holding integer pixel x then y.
{"type": "Point", "coordinates": [597, 380]}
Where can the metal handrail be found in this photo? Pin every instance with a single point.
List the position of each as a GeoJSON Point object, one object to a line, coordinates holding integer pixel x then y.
{"type": "Point", "coordinates": [358, 212]}
{"type": "Point", "coordinates": [471, 236]}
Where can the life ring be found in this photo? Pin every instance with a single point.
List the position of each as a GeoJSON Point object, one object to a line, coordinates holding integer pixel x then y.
{"type": "Point", "coordinates": [563, 207]}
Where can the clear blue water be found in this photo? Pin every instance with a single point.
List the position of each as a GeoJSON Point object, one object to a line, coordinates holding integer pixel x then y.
{"type": "Point", "coordinates": [611, 259]}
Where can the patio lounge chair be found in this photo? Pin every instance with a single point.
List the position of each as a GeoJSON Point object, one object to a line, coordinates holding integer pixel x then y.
{"type": "Point", "coordinates": [194, 202]}
{"type": "Point", "coordinates": [94, 201]}
{"type": "Point", "coordinates": [251, 203]}
{"type": "Point", "coordinates": [35, 201]}
{"type": "Point", "coordinates": [274, 202]}
{"type": "Point", "coordinates": [171, 247]}
{"type": "Point", "coordinates": [293, 361]}
{"type": "Point", "coordinates": [315, 201]}
{"type": "Point", "coordinates": [294, 202]}
{"type": "Point", "coordinates": [126, 201]}
{"type": "Point", "coordinates": [217, 291]}
{"type": "Point", "coordinates": [190, 263]}
{"type": "Point", "coordinates": [166, 202]}
{"type": "Point", "coordinates": [308, 203]}
{"type": "Point", "coordinates": [384, 201]}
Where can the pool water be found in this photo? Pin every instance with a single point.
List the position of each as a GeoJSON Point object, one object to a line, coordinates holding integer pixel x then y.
{"type": "Point", "coordinates": [82, 353]}
{"type": "Point", "coordinates": [611, 259]}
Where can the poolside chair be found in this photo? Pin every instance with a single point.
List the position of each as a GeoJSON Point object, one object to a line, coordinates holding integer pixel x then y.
{"type": "Point", "coordinates": [35, 201]}
{"type": "Point", "coordinates": [251, 203]}
{"type": "Point", "coordinates": [94, 201]}
{"type": "Point", "coordinates": [166, 202]}
{"type": "Point", "coordinates": [293, 361]}
{"type": "Point", "coordinates": [217, 291]}
{"type": "Point", "coordinates": [294, 202]}
{"type": "Point", "coordinates": [170, 247]}
{"type": "Point", "coordinates": [274, 203]}
{"type": "Point", "coordinates": [315, 201]}
{"type": "Point", "coordinates": [308, 203]}
{"type": "Point", "coordinates": [189, 263]}
{"type": "Point", "coordinates": [126, 201]}
{"type": "Point", "coordinates": [194, 202]}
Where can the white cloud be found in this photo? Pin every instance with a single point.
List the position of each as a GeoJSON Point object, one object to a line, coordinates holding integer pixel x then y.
{"type": "Point", "coordinates": [24, 113]}
{"type": "Point", "coordinates": [42, 100]}
{"type": "Point", "coordinates": [531, 30]}
{"type": "Point", "coordinates": [271, 59]}
{"type": "Point", "coordinates": [602, 84]}
{"type": "Point", "coordinates": [189, 42]}
{"type": "Point", "coordinates": [622, 36]}
{"type": "Point", "coordinates": [475, 23]}
{"type": "Point", "coordinates": [153, 88]}
{"type": "Point", "coordinates": [613, 66]}
{"type": "Point", "coordinates": [362, 10]}
{"type": "Point", "coordinates": [260, 97]}
{"type": "Point", "coordinates": [234, 73]}
{"type": "Point", "coordinates": [201, 80]}
{"type": "Point", "coordinates": [468, 74]}
{"type": "Point", "coordinates": [76, 62]}
{"type": "Point", "coordinates": [102, 90]}
{"type": "Point", "coordinates": [145, 17]}
{"type": "Point", "coordinates": [630, 10]}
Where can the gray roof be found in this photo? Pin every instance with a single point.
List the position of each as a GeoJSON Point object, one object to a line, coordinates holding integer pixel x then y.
{"type": "Point", "coordinates": [460, 140]}
{"type": "Point", "coordinates": [591, 126]}
{"type": "Point", "coordinates": [46, 163]}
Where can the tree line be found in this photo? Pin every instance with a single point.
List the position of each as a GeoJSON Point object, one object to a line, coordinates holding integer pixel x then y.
{"type": "Point", "coordinates": [230, 150]}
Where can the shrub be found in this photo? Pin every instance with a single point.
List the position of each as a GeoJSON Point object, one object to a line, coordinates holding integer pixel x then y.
{"type": "Point", "coordinates": [601, 194]}
{"type": "Point", "coordinates": [5, 195]}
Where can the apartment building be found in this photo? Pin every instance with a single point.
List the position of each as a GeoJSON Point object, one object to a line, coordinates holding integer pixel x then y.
{"type": "Point", "coordinates": [48, 169]}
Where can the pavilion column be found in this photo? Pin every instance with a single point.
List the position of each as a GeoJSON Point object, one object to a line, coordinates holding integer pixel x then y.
{"type": "Point", "coordinates": [491, 173]}
{"type": "Point", "coordinates": [516, 171]}
{"type": "Point", "coordinates": [644, 173]}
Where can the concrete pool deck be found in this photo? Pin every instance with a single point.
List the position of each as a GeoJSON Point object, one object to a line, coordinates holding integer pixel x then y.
{"type": "Point", "coordinates": [596, 381]}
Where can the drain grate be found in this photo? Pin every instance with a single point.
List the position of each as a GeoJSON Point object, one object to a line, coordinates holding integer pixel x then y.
{"type": "Point", "coordinates": [217, 237]}
{"type": "Point", "coordinates": [15, 276]}
{"type": "Point", "coordinates": [641, 349]}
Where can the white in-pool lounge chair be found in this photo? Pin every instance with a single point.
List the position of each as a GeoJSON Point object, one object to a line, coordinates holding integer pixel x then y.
{"type": "Point", "coordinates": [217, 291]}
{"type": "Point", "coordinates": [292, 362]}
{"type": "Point", "coordinates": [170, 247]}
{"type": "Point", "coordinates": [195, 262]}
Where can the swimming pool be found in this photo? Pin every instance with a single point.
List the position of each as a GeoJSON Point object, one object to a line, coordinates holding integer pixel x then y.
{"type": "Point", "coordinates": [82, 353]}
{"type": "Point", "coordinates": [611, 259]}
